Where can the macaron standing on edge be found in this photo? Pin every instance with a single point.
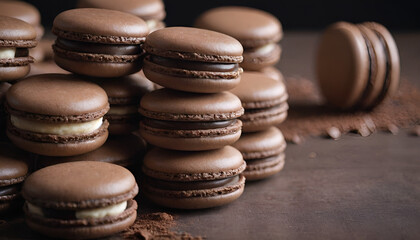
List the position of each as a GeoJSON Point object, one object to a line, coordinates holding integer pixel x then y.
{"type": "Point", "coordinates": [16, 37]}
{"type": "Point", "coordinates": [99, 42]}
{"type": "Point", "coordinates": [57, 115]}
{"type": "Point", "coordinates": [68, 201]}
{"type": "Point", "coordinates": [192, 60]}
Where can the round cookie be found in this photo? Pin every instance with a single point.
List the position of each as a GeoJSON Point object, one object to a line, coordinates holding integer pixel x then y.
{"type": "Point", "coordinates": [124, 96]}
{"type": "Point", "coordinates": [16, 37]}
{"type": "Point", "coordinates": [151, 11]}
{"type": "Point", "coordinates": [125, 150]}
{"type": "Point", "coordinates": [264, 100]}
{"type": "Point", "coordinates": [57, 115]}
{"type": "Point", "coordinates": [13, 171]}
{"type": "Point", "coordinates": [99, 42]}
{"type": "Point", "coordinates": [80, 200]}
{"type": "Point", "coordinates": [193, 180]}
{"type": "Point", "coordinates": [190, 121]}
{"type": "Point", "coordinates": [192, 60]}
{"type": "Point", "coordinates": [357, 66]}
{"type": "Point", "coordinates": [263, 152]}
{"type": "Point", "coordinates": [258, 31]}
{"type": "Point", "coordinates": [274, 73]}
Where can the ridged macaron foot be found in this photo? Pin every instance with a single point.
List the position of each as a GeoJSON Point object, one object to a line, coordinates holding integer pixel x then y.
{"type": "Point", "coordinates": [357, 65]}
{"type": "Point", "coordinates": [13, 171]}
{"type": "Point", "coordinates": [193, 180]}
{"type": "Point", "coordinates": [264, 100]}
{"type": "Point", "coordinates": [190, 121]}
{"type": "Point", "coordinates": [151, 11]}
{"type": "Point", "coordinates": [263, 152]}
{"type": "Point", "coordinates": [99, 42]}
{"type": "Point", "coordinates": [80, 200]}
{"type": "Point", "coordinates": [57, 115]}
{"type": "Point", "coordinates": [124, 96]}
{"type": "Point", "coordinates": [193, 60]}
{"type": "Point", "coordinates": [16, 37]}
{"type": "Point", "coordinates": [259, 33]}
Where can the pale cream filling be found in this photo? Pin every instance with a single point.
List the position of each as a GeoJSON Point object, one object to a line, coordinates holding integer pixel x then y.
{"type": "Point", "coordinates": [151, 24]}
{"type": "Point", "coordinates": [122, 110]}
{"type": "Point", "coordinates": [265, 49]}
{"type": "Point", "coordinates": [7, 52]}
{"type": "Point", "coordinates": [88, 213]}
{"type": "Point", "coordinates": [56, 128]}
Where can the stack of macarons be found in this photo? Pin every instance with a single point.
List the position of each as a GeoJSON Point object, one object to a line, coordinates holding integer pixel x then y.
{"type": "Point", "coordinates": [193, 119]}
{"type": "Point", "coordinates": [262, 144]}
{"type": "Point", "coordinates": [258, 31]}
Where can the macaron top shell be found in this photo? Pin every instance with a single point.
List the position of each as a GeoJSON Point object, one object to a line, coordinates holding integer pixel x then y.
{"type": "Point", "coordinates": [13, 29]}
{"type": "Point", "coordinates": [252, 27]}
{"type": "Point", "coordinates": [146, 9]}
{"type": "Point", "coordinates": [100, 25]}
{"type": "Point", "coordinates": [193, 166]}
{"type": "Point", "coordinates": [57, 95]}
{"type": "Point", "coordinates": [132, 86]}
{"type": "Point", "coordinates": [194, 44]}
{"type": "Point", "coordinates": [12, 165]}
{"type": "Point", "coordinates": [166, 104]}
{"type": "Point", "coordinates": [257, 90]}
{"type": "Point", "coordinates": [78, 185]}
{"type": "Point", "coordinates": [20, 10]}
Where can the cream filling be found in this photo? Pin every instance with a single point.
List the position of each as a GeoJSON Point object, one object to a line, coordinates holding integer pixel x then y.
{"type": "Point", "coordinates": [56, 128]}
{"type": "Point", "coordinates": [7, 52]}
{"type": "Point", "coordinates": [151, 24]}
{"type": "Point", "coordinates": [88, 213]}
{"type": "Point", "coordinates": [122, 110]}
{"type": "Point", "coordinates": [265, 49]}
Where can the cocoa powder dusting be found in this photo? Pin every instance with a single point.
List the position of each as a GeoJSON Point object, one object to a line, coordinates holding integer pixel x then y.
{"type": "Point", "coordinates": [155, 226]}
{"type": "Point", "coordinates": [308, 116]}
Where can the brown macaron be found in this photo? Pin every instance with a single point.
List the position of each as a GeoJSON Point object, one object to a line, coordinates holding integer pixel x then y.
{"type": "Point", "coordinates": [80, 200]}
{"type": "Point", "coordinates": [16, 37]}
{"type": "Point", "coordinates": [193, 60]}
{"type": "Point", "coordinates": [273, 73]}
{"type": "Point", "coordinates": [13, 171]}
{"type": "Point", "coordinates": [259, 33]}
{"type": "Point", "coordinates": [264, 100]}
{"type": "Point", "coordinates": [193, 180]}
{"type": "Point", "coordinates": [151, 11]}
{"type": "Point", "coordinates": [263, 152]}
{"type": "Point", "coordinates": [124, 96]}
{"type": "Point", "coordinates": [99, 42]}
{"type": "Point", "coordinates": [57, 115]}
{"type": "Point", "coordinates": [357, 65]}
{"type": "Point", "coordinates": [190, 121]}
{"type": "Point", "coordinates": [4, 86]}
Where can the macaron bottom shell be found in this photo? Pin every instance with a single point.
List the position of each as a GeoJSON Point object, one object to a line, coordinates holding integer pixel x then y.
{"type": "Point", "coordinates": [83, 228]}
{"type": "Point", "coordinates": [196, 199]}
{"type": "Point", "coordinates": [13, 72]}
{"type": "Point", "coordinates": [263, 168]}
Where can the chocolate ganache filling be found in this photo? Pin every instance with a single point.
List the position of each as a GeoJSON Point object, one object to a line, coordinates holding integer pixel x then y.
{"type": "Point", "coordinates": [98, 48]}
{"type": "Point", "coordinates": [193, 65]}
{"type": "Point", "coordinates": [9, 190]}
{"type": "Point", "coordinates": [178, 125]}
{"type": "Point", "coordinates": [194, 185]}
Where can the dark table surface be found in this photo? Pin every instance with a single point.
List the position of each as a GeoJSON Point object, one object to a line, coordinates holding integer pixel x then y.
{"type": "Point", "coordinates": [352, 188]}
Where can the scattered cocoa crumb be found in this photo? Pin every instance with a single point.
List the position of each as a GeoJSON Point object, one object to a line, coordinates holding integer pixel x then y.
{"type": "Point", "coordinates": [308, 116]}
{"type": "Point", "coordinates": [334, 133]}
{"type": "Point", "coordinates": [155, 226]}
{"type": "Point", "coordinates": [312, 155]}
{"type": "Point", "coordinates": [416, 131]}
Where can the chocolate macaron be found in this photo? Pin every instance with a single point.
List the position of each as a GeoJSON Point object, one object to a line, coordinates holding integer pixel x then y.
{"type": "Point", "coordinates": [193, 180]}
{"type": "Point", "coordinates": [99, 42]}
{"type": "Point", "coordinates": [16, 37]}
{"type": "Point", "coordinates": [193, 60]}
{"type": "Point", "coordinates": [80, 200]}
{"type": "Point", "coordinates": [151, 11]}
{"type": "Point", "coordinates": [264, 100]}
{"type": "Point", "coordinates": [4, 86]}
{"type": "Point", "coordinates": [263, 152]}
{"type": "Point", "coordinates": [125, 150]}
{"type": "Point", "coordinates": [57, 115]}
{"type": "Point", "coordinates": [190, 121]}
{"type": "Point", "coordinates": [124, 96]}
{"type": "Point", "coordinates": [357, 65]}
{"type": "Point", "coordinates": [13, 171]}
{"type": "Point", "coordinates": [259, 33]}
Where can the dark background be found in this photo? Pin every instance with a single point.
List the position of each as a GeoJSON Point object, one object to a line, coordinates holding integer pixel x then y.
{"type": "Point", "coordinates": [294, 14]}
